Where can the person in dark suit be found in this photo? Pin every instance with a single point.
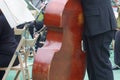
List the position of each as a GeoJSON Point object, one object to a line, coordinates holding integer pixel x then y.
{"type": "Point", "coordinates": [8, 44]}
{"type": "Point", "coordinates": [99, 30]}
{"type": "Point", "coordinates": [117, 51]}
{"type": "Point", "coordinates": [117, 37]}
{"type": "Point", "coordinates": [33, 27]}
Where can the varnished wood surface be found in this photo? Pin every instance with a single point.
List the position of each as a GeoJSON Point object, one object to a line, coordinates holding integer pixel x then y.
{"type": "Point", "coordinates": [64, 60]}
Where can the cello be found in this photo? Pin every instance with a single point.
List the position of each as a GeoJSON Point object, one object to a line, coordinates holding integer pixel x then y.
{"type": "Point", "coordinates": [61, 58]}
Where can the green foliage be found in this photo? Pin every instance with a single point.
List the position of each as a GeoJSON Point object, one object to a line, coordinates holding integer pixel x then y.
{"type": "Point", "coordinates": [118, 19]}
{"type": "Point", "coordinates": [40, 18]}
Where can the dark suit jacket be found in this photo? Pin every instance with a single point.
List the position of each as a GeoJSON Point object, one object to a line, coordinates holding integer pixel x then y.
{"type": "Point", "coordinates": [99, 16]}
{"type": "Point", "coordinates": [8, 43]}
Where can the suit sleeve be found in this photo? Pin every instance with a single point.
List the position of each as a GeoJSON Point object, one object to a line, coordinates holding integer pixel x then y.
{"type": "Point", "coordinates": [1, 25]}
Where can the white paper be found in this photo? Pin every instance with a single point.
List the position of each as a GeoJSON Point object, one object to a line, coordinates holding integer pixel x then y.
{"type": "Point", "coordinates": [16, 12]}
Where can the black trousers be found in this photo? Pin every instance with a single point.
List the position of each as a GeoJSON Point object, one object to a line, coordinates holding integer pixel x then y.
{"type": "Point", "coordinates": [8, 44]}
{"type": "Point", "coordinates": [117, 48]}
{"type": "Point", "coordinates": [97, 49]}
{"type": "Point", "coordinates": [4, 62]}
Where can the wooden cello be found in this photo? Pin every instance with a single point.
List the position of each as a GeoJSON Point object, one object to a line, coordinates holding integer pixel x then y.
{"type": "Point", "coordinates": [61, 58]}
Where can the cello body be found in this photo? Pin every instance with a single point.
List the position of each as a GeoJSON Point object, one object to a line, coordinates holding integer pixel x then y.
{"type": "Point", "coordinates": [61, 58]}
